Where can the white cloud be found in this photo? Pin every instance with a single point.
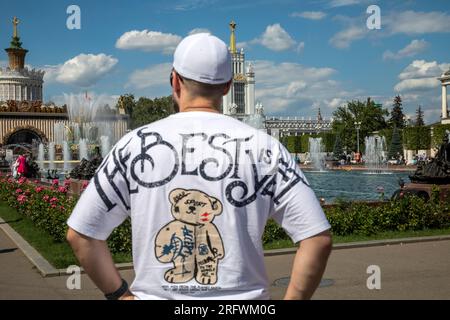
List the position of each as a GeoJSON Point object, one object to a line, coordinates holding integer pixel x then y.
{"type": "Point", "coordinates": [83, 70]}
{"type": "Point", "coordinates": [343, 3]}
{"type": "Point", "coordinates": [275, 38]}
{"type": "Point", "coordinates": [412, 22]}
{"type": "Point", "coordinates": [154, 76]}
{"type": "Point", "coordinates": [423, 69]}
{"type": "Point", "coordinates": [416, 84]}
{"type": "Point", "coordinates": [344, 38]}
{"type": "Point", "coordinates": [311, 15]}
{"type": "Point", "coordinates": [393, 23]}
{"type": "Point", "coordinates": [148, 41]}
{"type": "Point", "coordinates": [412, 49]}
{"type": "Point", "coordinates": [292, 88]}
{"type": "Point", "coordinates": [419, 86]}
{"type": "Point", "coordinates": [199, 30]}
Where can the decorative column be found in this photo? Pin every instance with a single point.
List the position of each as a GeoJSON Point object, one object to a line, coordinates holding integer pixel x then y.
{"type": "Point", "coordinates": [444, 101]}
{"type": "Point", "coordinates": [250, 91]}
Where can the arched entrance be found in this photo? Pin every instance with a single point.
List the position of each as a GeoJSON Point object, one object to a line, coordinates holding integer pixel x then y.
{"type": "Point", "coordinates": [24, 136]}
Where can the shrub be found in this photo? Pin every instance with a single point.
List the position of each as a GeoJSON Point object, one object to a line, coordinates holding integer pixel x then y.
{"type": "Point", "coordinates": [50, 207]}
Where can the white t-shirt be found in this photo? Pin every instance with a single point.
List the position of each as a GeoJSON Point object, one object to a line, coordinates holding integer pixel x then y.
{"type": "Point", "coordinates": [199, 188]}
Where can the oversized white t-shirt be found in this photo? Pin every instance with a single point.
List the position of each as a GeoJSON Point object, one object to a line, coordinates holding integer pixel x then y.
{"type": "Point", "coordinates": [199, 188]}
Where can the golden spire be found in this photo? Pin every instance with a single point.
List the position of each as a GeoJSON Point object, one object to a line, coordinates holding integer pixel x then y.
{"type": "Point", "coordinates": [15, 22]}
{"type": "Point", "coordinates": [232, 37]}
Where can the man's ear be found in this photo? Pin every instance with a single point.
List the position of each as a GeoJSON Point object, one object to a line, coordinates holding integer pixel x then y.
{"type": "Point", "coordinates": [176, 194]}
{"type": "Point", "coordinates": [227, 87]}
{"type": "Point", "coordinates": [216, 206]}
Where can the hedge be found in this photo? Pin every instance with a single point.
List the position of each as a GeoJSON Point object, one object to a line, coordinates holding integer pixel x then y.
{"type": "Point", "coordinates": [417, 138]}
{"type": "Point", "coordinates": [300, 144]}
{"type": "Point", "coordinates": [438, 134]}
{"type": "Point", "coordinates": [50, 207]}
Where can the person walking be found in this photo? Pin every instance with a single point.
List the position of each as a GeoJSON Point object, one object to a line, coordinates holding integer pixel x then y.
{"type": "Point", "coordinates": [199, 187]}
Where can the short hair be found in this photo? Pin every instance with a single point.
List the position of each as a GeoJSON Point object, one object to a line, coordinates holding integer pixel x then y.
{"type": "Point", "coordinates": [204, 90]}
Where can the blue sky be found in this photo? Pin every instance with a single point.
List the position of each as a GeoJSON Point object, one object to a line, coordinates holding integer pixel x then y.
{"type": "Point", "coordinates": [307, 54]}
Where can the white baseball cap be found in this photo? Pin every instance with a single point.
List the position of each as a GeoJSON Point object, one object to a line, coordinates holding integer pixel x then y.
{"type": "Point", "coordinates": [204, 58]}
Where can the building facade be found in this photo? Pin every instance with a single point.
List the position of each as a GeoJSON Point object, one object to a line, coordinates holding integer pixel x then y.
{"type": "Point", "coordinates": [24, 119]}
{"type": "Point", "coordinates": [240, 101]}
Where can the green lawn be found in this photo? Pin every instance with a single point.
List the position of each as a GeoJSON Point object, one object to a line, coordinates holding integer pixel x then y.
{"type": "Point", "coordinates": [60, 255]}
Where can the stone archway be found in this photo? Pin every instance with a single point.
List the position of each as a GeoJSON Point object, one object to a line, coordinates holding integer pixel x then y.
{"type": "Point", "coordinates": [24, 136]}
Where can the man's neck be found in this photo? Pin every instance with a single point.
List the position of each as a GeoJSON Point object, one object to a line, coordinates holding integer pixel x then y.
{"type": "Point", "coordinates": [199, 108]}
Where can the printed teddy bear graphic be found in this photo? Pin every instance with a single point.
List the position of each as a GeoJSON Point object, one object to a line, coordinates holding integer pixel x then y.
{"type": "Point", "coordinates": [191, 241]}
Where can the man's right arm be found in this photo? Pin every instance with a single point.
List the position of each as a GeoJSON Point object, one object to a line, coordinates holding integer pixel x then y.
{"type": "Point", "coordinates": [309, 266]}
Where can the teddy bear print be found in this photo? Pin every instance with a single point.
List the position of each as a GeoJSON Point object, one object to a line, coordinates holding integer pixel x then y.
{"type": "Point", "coordinates": [191, 242]}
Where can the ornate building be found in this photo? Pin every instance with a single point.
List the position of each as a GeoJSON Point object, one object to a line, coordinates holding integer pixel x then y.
{"type": "Point", "coordinates": [240, 100]}
{"type": "Point", "coordinates": [17, 82]}
{"type": "Point", "coordinates": [24, 119]}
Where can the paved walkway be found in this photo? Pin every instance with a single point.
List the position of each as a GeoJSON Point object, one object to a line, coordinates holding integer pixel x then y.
{"type": "Point", "coordinates": [410, 271]}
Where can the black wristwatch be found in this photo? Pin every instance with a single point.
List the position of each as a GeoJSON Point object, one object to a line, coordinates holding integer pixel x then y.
{"type": "Point", "coordinates": [118, 293]}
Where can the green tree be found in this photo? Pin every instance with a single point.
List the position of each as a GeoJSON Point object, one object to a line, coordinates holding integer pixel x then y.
{"type": "Point", "coordinates": [369, 114]}
{"type": "Point", "coordinates": [395, 148]}
{"type": "Point", "coordinates": [147, 110]}
{"type": "Point", "coordinates": [419, 117]}
{"type": "Point", "coordinates": [338, 151]}
{"type": "Point", "coordinates": [127, 102]}
{"type": "Point", "coordinates": [397, 117]}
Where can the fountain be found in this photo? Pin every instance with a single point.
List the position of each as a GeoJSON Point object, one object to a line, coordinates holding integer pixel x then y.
{"type": "Point", "coordinates": [257, 120]}
{"type": "Point", "coordinates": [316, 154]}
{"type": "Point", "coordinates": [104, 145]}
{"type": "Point", "coordinates": [51, 155]}
{"type": "Point", "coordinates": [83, 150]}
{"type": "Point", "coordinates": [66, 156]}
{"type": "Point", "coordinates": [41, 156]}
{"type": "Point", "coordinates": [375, 155]}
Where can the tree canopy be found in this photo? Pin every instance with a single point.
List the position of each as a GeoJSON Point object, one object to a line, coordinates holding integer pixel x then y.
{"type": "Point", "coordinates": [145, 110]}
{"type": "Point", "coordinates": [397, 117]}
{"type": "Point", "coordinates": [370, 114]}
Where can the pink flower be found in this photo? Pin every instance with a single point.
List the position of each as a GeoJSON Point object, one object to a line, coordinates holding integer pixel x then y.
{"type": "Point", "coordinates": [38, 189]}
{"type": "Point", "coordinates": [55, 182]}
{"type": "Point", "coordinates": [27, 192]}
{"type": "Point", "coordinates": [22, 180]}
{"type": "Point", "coordinates": [62, 208]}
{"type": "Point", "coordinates": [53, 205]}
{"type": "Point", "coordinates": [67, 182]}
{"type": "Point", "coordinates": [36, 181]}
{"type": "Point", "coordinates": [53, 200]}
{"type": "Point", "coordinates": [19, 191]}
{"type": "Point", "coordinates": [22, 199]}
{"type": "Point", "coordinates": [46, 197]}
{"type": "Point", "coordinates": [62, 189]}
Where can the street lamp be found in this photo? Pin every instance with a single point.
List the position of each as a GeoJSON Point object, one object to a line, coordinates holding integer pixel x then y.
{"type": "Point", "coordinates": [358, 127]}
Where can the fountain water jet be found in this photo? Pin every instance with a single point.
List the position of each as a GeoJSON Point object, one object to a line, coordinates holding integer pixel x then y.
{"type": "Point", "coordinates": [375, 155]}
{"type": "Point", "coordinates": [316, 154]}
{"type": "Point", "coordinates": [51, 155]}
{"type": "Point", "coordinates": [66, 156]}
